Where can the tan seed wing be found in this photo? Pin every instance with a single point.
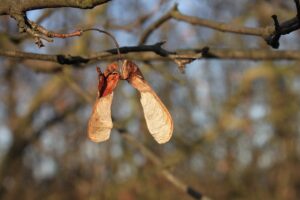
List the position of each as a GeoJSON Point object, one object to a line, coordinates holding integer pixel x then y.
{"type": "Point", "coordinates": [100, 122]}
{"type": "Point", "coordinates": [158, 118]}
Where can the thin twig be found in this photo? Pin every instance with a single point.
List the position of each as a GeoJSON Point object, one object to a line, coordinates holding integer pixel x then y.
{"type": "Point", "coordinates": [110, 35]}
{"type": "Point", "coordinates": [50, 34]}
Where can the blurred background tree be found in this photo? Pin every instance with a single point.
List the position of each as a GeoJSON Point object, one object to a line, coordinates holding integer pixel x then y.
{"type": "Point", "coordinates": [235, 107]}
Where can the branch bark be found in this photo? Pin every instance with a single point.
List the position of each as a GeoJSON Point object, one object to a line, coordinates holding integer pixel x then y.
{"type": "Point", "coordinates": [271, 34]}
{"type": "Point", "coordinates": [16, 6]}
{"type": "Point", "coordinates": [17, 10]}
{"type": "Point", "coordinates": [158, 53]}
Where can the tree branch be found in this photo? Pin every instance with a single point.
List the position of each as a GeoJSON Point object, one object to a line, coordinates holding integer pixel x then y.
{"type": "Point", "coordinates": [224, 27]}
{"type": "Point", "coordinates": [17, 10]}
{"type": "Point", "coordinates": [271, 34]}
{"type": "Point", "coordinates": [157, 52]}
{"type": "Point", "coordinates": [9, 6]}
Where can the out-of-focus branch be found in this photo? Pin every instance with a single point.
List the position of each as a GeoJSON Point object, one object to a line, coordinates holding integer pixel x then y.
{"type": "Point", "coordinates": [23, 131]}
{"type": "Point", "coordinates": [45, 93]}
{"type": "Point", "coordinates": [155, 25]}
{"type": "Point", "coordinates": [180, 185]}
{"type": "Point", "coordinates": [47, 13]}
{"type": "Point", "coordinates": [16, 151]}
{"type": "Point", "coordinates": [130, 26]}
{"type": "Point", "coordinates": [59, 117]}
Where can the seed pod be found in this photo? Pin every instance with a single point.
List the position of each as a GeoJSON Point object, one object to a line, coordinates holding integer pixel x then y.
{"type": "Point", "coordinates": [157, 116]}
{"type": "Point", "coordinates": [100, 122]}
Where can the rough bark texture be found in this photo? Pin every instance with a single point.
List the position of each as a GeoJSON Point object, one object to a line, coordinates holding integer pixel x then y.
{"type": "Point", "coordinates": [9, 7]}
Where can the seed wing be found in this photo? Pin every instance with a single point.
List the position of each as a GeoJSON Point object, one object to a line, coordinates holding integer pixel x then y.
{"type": "Point", "coordinates": [157, 116]}
{"type": "Point", "coordinates": [100, 122]}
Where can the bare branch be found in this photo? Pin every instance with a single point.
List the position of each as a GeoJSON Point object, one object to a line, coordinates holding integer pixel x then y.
{"type": "Point", "coordinates": [7, 7]}
{"type": "Point", "coordinates": [156, 52]}
{"type": "Point", "coordinates": [271, 34]}
{"type": "Point", "coordinates": [17, 10]}
{"type": "Point", "coordinates": [224, 27]}
{"type": "Point", "coordinates": [180, 185]}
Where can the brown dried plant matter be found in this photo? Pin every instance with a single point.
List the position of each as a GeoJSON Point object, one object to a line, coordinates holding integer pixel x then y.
{"type": "Point", "coordinates": [100, 122]}
{"type": "Point", "coordinates": [158, 118]}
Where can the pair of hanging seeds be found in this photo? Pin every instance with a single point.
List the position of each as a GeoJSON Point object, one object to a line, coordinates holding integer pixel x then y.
{"type": "Point", "coordinates": [158, 118]}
